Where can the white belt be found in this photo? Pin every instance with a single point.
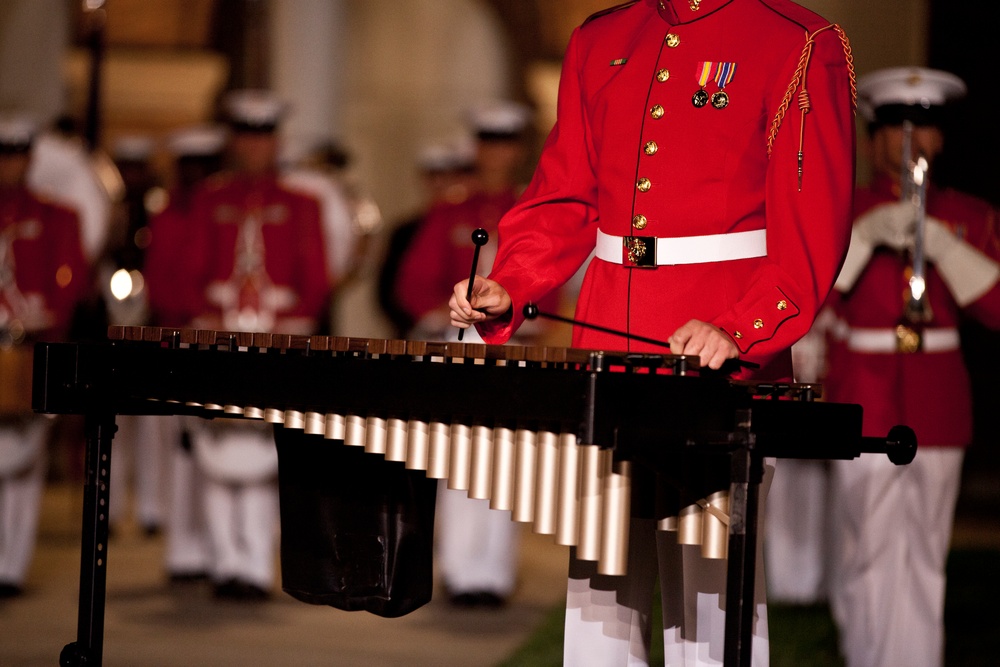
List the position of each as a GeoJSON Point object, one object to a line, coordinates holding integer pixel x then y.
{"type": "Point", "coordinates": [686, 249]}
{"type": "Point", "coordinates": [886, 341]}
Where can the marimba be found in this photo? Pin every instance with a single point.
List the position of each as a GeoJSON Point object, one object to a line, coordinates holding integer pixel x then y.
{"type": "Point", "coordinates": [551, 434]}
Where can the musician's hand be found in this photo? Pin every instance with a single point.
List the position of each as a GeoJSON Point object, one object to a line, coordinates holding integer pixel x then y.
{"type": "Point", "coordinates": [711, 344]}
{"type": "Point", "coordinates": [489, 300]}
{"type": "Point", "coordinates": [889, 225]}
{"type": "Point", "coordinates": [939, 239]}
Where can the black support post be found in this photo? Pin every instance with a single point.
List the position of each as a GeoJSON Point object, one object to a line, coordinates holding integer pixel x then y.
{"type": "Point", "coordinates": [88, 649]}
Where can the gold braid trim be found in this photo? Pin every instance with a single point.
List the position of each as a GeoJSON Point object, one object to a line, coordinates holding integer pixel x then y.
{"type": "Point", "coordinates": [798, 79]}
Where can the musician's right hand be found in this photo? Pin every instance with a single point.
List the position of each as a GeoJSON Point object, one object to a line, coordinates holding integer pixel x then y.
{"type": "Point", "coordinates": [891, 225]}
{"type": "Point", "coordinates": [489, 300]}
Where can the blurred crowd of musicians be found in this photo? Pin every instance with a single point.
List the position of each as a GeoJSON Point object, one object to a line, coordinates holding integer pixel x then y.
{"type": "Point", "coordinates": [227, 239]}
{"type": "Point", "coordinates": [240, 242]}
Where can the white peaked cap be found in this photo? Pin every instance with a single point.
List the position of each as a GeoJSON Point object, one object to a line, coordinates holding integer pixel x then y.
{"type": "Point", "coordinates": [907, 86]}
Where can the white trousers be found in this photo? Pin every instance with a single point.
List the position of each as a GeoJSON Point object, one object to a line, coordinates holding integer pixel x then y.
{"type": "Point", "coordinates": [608, 617]}
{"type": "Point", "coordinates": [796, 530]}
{"type": "Point", "coordinates": [242, 525]}
{"type": "Point", "coordinates": [187, 549]}
{"type": "Point", "coordinates": [477, 547]}
{"type": "Point", "coordinates": [139, 461]}
{"type": "Point", "coordinates": [21, 500]}
{"type": "Point", "coordinates": [893, 528]}
{"type": "Point", "coordinates": [241, 499]}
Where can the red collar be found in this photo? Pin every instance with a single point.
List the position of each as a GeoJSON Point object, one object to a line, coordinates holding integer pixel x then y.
{"type": "Point", "coordinates": [676, 12]}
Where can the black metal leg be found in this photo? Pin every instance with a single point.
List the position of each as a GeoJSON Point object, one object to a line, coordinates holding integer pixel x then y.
{"type": "Point", "coordinates": [747, 472]}
{"type": "Point", "coordinates": [88, 648]}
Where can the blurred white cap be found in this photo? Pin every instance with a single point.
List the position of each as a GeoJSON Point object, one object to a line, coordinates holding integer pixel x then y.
{"type": "Point", "coordinates": [254, 109]}
{"type": "Point", "coordinates": [132, 147]}
{"type": "Point", "coordinates": [197, 140]}
{"type": "Point", "coordinates": [17, 131]}
{"type": "Point", "coordinates": [500, 119]}
{"type": "Point", "coordinates": [907, 93]}
{"type": "Point", "coordinates": [448, 154]}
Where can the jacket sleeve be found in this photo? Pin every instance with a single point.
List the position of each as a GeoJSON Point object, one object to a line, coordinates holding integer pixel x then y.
{"type": "Point", "coordinates": [986, 308]}
{"type": "Point", "coordinates": [538, 253]}
{"type": "Point", "coordinates": [808, 212]}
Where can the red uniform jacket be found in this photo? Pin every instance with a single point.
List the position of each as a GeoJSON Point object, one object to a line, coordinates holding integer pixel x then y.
{"type": "Point", "coordinates": [43, 272]}
{"type": "Point", "coordinates": [249, 244]}
{"type": "Point", "coordinates": [166, 261]}
{"type": "Point", "coordinates": [626, 113]}
{"type": "Point", "coordinates": [928, 391]}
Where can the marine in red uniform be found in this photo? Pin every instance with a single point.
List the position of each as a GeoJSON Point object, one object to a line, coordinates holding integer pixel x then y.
{"type": "Point", "coordinates": [197, 152]}
{"type": "Point", "coordinates": [254, 261]}
{"type": "Point", "coordinates": [905, 366]}
{"type": "Point", "coordinates": [256, 247]}
{"type": "Point", "coordinates": [43, 275]}
{"type": "Point", "coordinates": [713, 141]}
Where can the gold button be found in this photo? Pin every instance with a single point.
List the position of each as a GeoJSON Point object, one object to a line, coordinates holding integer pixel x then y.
{"type": "Point", "coordinates": [782, 305]}
{"type": "Point", "coordinates": [673, 40]}
{"type": "Point", "coordinates": [657, 111]}
{"type": "Point", "coordinates": [758, 323]}
{"type": "Point", "coordinates": [639, 221]}
{"type": "Point", "coordinates": [644, 184]}
{"type": "Point", "coordinates": [662, 75]}
{"type": "Point", "coordinates": [650, 148]}
{"type": "Point", "coordinates": [737, 335]}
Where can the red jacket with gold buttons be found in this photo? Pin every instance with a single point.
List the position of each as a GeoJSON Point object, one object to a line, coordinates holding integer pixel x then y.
{"type": "Point", "coordinates": [249, 245]}
{"type": "Point", "coordinates": [779, 157]}
{"type": "Point", "coordinates": [43, 272]}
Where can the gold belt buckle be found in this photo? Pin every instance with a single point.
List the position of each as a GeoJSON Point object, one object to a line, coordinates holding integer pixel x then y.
{"type": "Point", "coordinates": [908, 339]}
{"type": "Point", "coordinates": [639, 251]}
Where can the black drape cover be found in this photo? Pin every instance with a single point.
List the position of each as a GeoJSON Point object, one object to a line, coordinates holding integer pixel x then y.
{"type": "Point", "coordinates": [356, 530]}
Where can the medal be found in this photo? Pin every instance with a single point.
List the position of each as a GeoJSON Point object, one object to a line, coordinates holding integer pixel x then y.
{"type": "Point", "coordinates": [723, 75]}
{"type": "Point", "coordinates": [700, 98]}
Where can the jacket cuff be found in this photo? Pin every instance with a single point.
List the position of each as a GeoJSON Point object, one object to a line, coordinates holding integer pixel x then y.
{"type": "Point", "coordinates": [760, 321]}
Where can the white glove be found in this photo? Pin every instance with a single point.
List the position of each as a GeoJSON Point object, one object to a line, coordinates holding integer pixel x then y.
{"type": "Point", "coordinates": [966, 271]}
{"type": "Point", "coordinates": [889, 225]}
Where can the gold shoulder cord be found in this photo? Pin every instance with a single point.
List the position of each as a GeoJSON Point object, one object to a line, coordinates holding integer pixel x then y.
{"type": "Point", "coordinates": [798, 81]}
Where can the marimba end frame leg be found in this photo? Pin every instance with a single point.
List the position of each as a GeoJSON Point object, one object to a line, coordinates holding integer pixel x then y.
{"type": "Point", "coordinates": [88, 649]}
{"type": "Point", "coordinates": [747, 472]}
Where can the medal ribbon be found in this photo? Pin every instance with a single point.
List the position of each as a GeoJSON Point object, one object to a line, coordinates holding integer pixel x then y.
{"type": "Point", "coordinates": [724, 74]}
{"type": "Point", "coordinates": [704, 71]}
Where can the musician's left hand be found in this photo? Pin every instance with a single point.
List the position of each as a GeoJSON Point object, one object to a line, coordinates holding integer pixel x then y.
{"type": "Point", "coordinates": [712, 345]}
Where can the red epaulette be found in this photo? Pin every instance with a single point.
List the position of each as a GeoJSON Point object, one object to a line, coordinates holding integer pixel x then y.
{"type": "Point", "coordinates": [603, 12]}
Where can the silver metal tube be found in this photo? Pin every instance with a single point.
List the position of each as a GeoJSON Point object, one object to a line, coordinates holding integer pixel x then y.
{"type": "Point", "coordinates": [617, 510]}
{"type": "Point", "coordinates": [481, 467]}
{"type": "Point", "coordinates": [568, 501]}
{"type": "Point", "coordinates": [417, 435]}
{"type": "Point", "coordinates": [375, 435]}
{"type": "Point", "coordinates": [546, 483]}
{"type": "Point", "coordinates": [502, 493]}
{"type": "Point", "coordinates": [395, 445]}
{"type": "Point", "coordinates": [461, 455]}
{"type": "Point", "coordinates": [595, 465]}
{"type": "Point", "coordinates": [525, 446]}
{"type": "Point", "coordinates": [439, 451]}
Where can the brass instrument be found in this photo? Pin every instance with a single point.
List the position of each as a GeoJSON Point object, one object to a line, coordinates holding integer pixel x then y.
{"type": "Point", "coordinates": [913, 191]}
